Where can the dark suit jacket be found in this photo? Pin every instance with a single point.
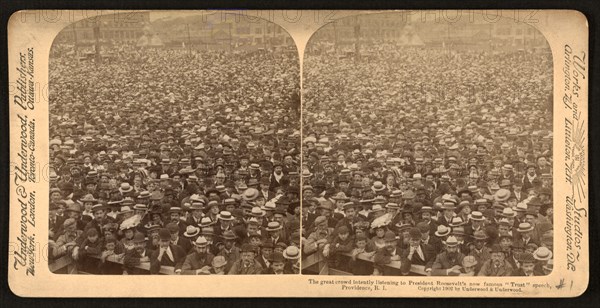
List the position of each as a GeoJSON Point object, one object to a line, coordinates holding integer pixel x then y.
{"type": "Point", "coordinates": [178, 256]}
{"type": "Point", "coordinates": [184, 243]}
{"type": "Point", "coordinates": [427, 260]}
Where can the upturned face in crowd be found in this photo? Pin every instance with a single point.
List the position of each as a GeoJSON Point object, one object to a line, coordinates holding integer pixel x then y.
{"type": "Point", "coordinates": [99, 215]}
{"type": "Point", "coordinates": [247, 258]}
{"type": "Point", "coordinates": [140, 246]}
{"type": "Point", "coordinates": [110, 246]}
{"type": "Point", "coordinates": [390, 245]}
{"type": "Point", "coordinates": [278, 170]}
{"type": "Point", "coordinates": [380, 232]}
{"type": "Point", "coordinates": [498, 258]}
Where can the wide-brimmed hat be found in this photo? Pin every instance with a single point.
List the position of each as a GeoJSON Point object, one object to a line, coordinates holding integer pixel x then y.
{"type": "Point", "coordinates": [442, 231]}
{"type": "Point", "coordinates": [99, 206]}
{"type": "Point", "coordinates": [451, 241]}
{"type": "Point", "coordinates": [456, 222]}
{"type": "Point", "coordinates": [389, 236]}
{"type": "Point", "coordinates": [508, 212]}
{"type": "Point", "coordinates": [502, 195]}
{"type": "Point", "coordinates": [219, 261]}
{"type": "Point", "coordinates": [229, 235]}
{"type": "Point", "coordinates": [88, 198]}
{"type": "Point", "coordinates": [521, 207]}
{"type": "Point", "coordinates": [125, 209]}
{"type": "Point", "coordinates": [257, 212]}
{"type": "Point", "coordinates": [526, 257]}
{"type": "Point", "coordinates": [250, 194]}
{"type": "Point", "coordinates": [247, 248]}
{"type": "Point", "coordinates": [200, 241]}
{"type": "Point", "coordinates": [340, 196]}
{"type": "Point", "coordinates": [524, 227]}
{"type": "Point", "coordinates": [206, 222]}
{"type": "Point", "coordinates": [139, 237]}
{"type": "Point", "coordinates": [480, 235]}
{"type": "Point", "coordinates": [191, 231]}
{"type": "Point", "coordinates": [74, 207]}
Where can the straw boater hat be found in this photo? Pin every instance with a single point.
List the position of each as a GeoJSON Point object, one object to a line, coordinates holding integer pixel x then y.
{"type": "Point", "coordinates": [291, 253]}
{"type": "Point", "coordinates": [273, 226]}
{"type": "Point", "coordinates": [378, 186]}
{"type": "Point", "coordinates": [225, 215]}
{"type": "Point", "coordinates": [524, 227]}
{"type": "Point", "coordinates": [125, 187]}
{"type": "Point", "coordinates": [542, 254]}
{"type": "Point", "coordinates": [477, 216]}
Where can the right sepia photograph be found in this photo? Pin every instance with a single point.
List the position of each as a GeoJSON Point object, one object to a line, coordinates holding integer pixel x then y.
{"type": "Point", "coordinates": [427, 147]}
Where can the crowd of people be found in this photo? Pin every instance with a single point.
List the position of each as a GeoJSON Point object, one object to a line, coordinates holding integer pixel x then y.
{"type": "Point", "coordinates": [176, 162]}
{"type": "Point", "coordinates": [428, 161]}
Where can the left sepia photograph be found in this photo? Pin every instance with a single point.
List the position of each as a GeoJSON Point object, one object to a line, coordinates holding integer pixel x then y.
{"type": "Point", "coordinates": [174, 146]}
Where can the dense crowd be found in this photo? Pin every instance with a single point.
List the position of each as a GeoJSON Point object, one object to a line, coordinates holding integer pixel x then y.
{"type": "Point", "coordinates": [431, 157]}
{"type": "Point", "coordinates": [188, 160]}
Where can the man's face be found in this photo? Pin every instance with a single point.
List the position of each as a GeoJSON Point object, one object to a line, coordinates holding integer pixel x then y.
{"type": "Point", "coordinates": [528, 267]}
{"type": "Point", "coordinates": [497, 258]}
{"type": "Point", "coordinates": [201, 250]}
{"type": "Point", "coordinates": [99, 215]}
{"type": "Point", "coordinates": [390, 245]}
{"type": "Point", "coordinates": [247, 257]}
{"type": "Point", "coordinates": [139, 246]}
{"type": "Point", "coordinates": [229, 244]}
{"type": "Point", "coordinates": [505, 243]}
{"type": "Point", "coordinates": [350, 212]}
{"type": "Point", "coordinates": [175, 217]}
{"type": "Point", "coordinates": [278, 267]}
{"type": "Point", "coordinates": [344, 236]}
{"type": "Point", "coordinates": [110, 246]}
{"type": "Point", "coordinates": [266, 252]}
{"type": "Point", "coordinates": [452, 250]}
{"type": "Point", "coordinates": [448, 213]}
{"type": "Point", "coordinates": [252, 228]}
{"type": "Point", "coordinates": [414, 242]}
